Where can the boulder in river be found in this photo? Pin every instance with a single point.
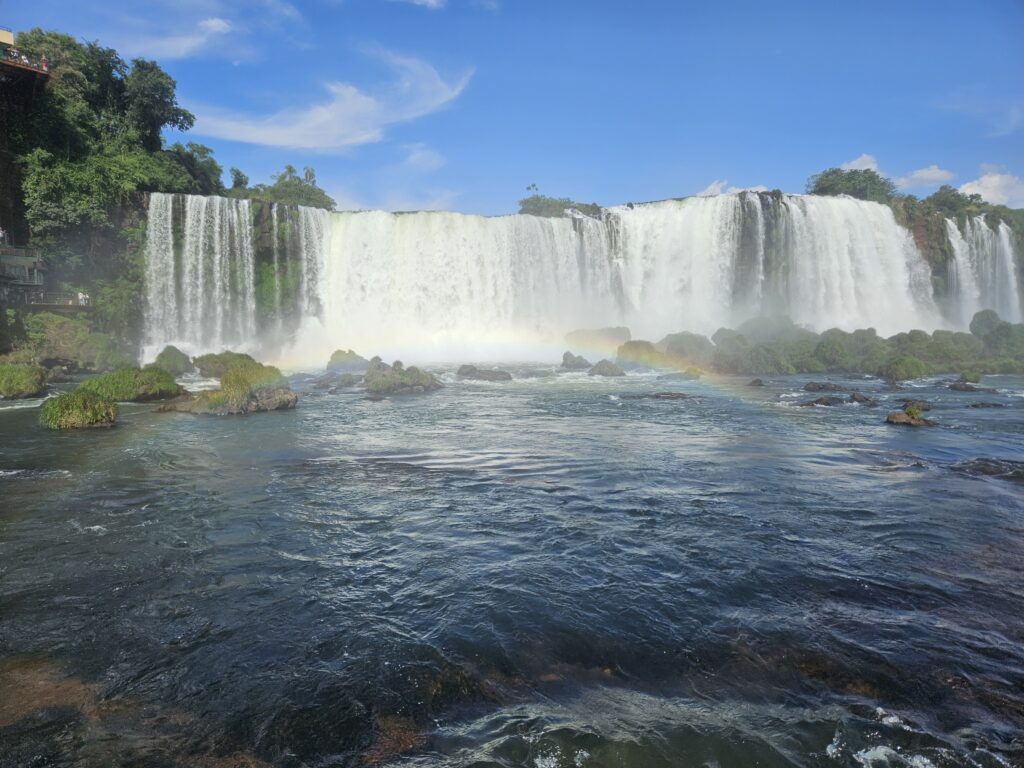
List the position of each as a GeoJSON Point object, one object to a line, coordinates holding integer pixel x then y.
{"type": "Point", "coordinates": [482, 374]}
{"type": "Point", "coordinates": [966, 386]}
{"type": "Point", "coordinates": [606, 368]}
{"type": "Point", "coordinates": [755, 383]}
{"type": "Point", "coordinates": [347, 361]}
{"type": "Point", "coordinates": [395, 379]}
{"type": "Point", "coordinates": [857, 397]}
{"type": "Point", "coordinates": [218, 403]}
{"type": "Point", "coordinates": [908, 419]}
{"type": "Point", "coordinates": [824, 400]}
{"type": "Point", "coordinates": [174, 361]}
{"type": "Point", "coordinates": [920, 405]}
{"type": "Point", "coordinates": [823, 386]}
{"type": "Point", "coordinates": [573, 362]}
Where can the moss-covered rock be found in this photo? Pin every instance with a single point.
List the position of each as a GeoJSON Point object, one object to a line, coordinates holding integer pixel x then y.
{"type": "Point", "coordinates": [246, 387]}
{"type": "Point", "coordinates": [347, 361]}
{"type": "Point", "coordinates": [395, 379]}
{"type": "Point", "coordinates": [20, 381]}
{"type": "Point", "coordinates": [134, 385]}
{"type": "Point", "coordinates": [78, 410]}
{"type": "Point", "coordinates": [213, 366]}
{"type": "Point", "coordinates": [174, 361]}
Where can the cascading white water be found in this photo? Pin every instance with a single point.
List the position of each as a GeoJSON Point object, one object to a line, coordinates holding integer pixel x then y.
{"type": "Point", "coordinates": [985, 274]}
{"type": "Point", "coordinates": [203, 297]}
{"type": "Point", "coordinates": [378, 281]}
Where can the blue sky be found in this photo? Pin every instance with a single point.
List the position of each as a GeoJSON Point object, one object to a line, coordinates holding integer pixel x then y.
{"type": "Point", "coordinates": [459, 104]}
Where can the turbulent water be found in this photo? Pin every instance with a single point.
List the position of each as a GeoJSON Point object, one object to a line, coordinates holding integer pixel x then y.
{"type": "Point", "coordinates": [546, 573]}
{"type": "Point", "coordinates": [375, 281]}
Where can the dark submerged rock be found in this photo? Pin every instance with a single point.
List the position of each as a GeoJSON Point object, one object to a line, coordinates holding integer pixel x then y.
{"type": "Point", "coordinates": [657, 396]}
{"type": "Point", "coordinates": [987, 405]}
{"type": "Point", "coordinates": [606, 368]}
{"type": "Point", "coordinates": [482, 374]}
{"type": "Point", "coordinates": [573, 362]}
{"type": "Point", "coordinates": [857, 397]}
{"type": "Point", "coordinates": [826, 400]}
{"type": "Point", "coordinates": [755, 383]}
{"type": "Point", "coordinates": [822, 386]}
{"type": "Point", "coordinates": [1000, 468]}
{"type": "Point", "coordinates": [966, 386]}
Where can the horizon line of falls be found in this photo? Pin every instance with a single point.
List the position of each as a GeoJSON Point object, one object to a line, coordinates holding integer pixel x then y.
{"type": "Point", "coordinates": [301, 282]}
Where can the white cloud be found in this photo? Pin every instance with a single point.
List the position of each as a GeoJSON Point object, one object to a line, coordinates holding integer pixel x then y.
{"type": "Point", "coordinates": [720, 187]}
{"type": "Point", "coordinates": [422, 159]}
{"type": "Point", "coordinates": [865, 162]}
{"type": "Point", "coordinates": [924, 177]}
{"type": "Point", "coordinates": [432, 4]}
{"type": "Point", "coordinates": [180, 46]}
{"type": "Point", "coordinates": [349, 117]}
{"type": "Point", "coordinates": [997, 188]}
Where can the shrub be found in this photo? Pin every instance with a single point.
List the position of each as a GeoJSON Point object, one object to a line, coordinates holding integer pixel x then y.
{"type": "Point", "coordinates": [76, 410]}
{"type": "Point", "coordinates": [21, 380]}
{"type": "Point", "coordinates": [174, 361]}
{"type": "Point", "coordinates": [984, 322]}
{"type": "Point", "coordinates": [214, 366]}
{"type": "Point", "coordinates": [913, 411]}
{"type": "Point", "coordinates": [902, 368]}
{"type": "Point", "coordinates": [131, 385]}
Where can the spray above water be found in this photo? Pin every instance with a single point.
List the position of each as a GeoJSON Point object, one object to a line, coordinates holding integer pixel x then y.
{"type": "Point", "coordinates": [296, 283]}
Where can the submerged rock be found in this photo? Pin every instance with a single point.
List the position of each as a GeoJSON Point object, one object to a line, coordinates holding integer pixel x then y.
{"type": "Point", "coordinates": [606, 368]}
{"type": "Point", "coordinates": [347, 361]}
{"type": "Point", "coordinates": [573, 362]}
{"type": "Point", "coordinates": [657, 396]}
{"type": "Point", "coordinates": [902, 418]}
{"type": "Point", "coordinates": [396, 379]}
{"type": "Point", "coordinates": [987, 405]}
{"type": "Point", "coordinates": [823, 386]}
{"type": "Point", "coordinates": [1000, 468]}
{"type": "Point", "coordinates": [482, 374]}
{"type": "Point", "coordinates": [755, 383]}
{"type": "Point", "coordinates": [828, 401]}
{"type": "Point", "coordinates": [857, 397]}
{"type": "Point", "coordinates": [966, 386]}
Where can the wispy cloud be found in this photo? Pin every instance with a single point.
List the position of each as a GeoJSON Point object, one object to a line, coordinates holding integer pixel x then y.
{"type": "Point", "coordinates": [206, 33]}
{"type": "Point", "coordinates": [350, 116]}
{"type": "Point", "coordinates": [1001, 115]}
{"type": "Point", "coordinates": [865, 162]}
{"type": "Point", "coordinates": [721, 187]}
{"type": "Point", "coordinates": [432, 4]}
{"type": "Point", "coordinates": [997, 187]}
{"type": "Point", "coordinates": [924, 177]}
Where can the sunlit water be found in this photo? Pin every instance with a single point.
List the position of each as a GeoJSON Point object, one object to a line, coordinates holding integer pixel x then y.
{"type": "Point", "coordinates": [541, 573]}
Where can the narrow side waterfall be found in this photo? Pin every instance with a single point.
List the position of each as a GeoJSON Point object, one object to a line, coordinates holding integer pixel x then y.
{"type": "Point", "coordinates": [226, 273]}
{"type": "Point", "coordinates": [201, 290]}
{"type": "Point", "coordinates": [985, 272]}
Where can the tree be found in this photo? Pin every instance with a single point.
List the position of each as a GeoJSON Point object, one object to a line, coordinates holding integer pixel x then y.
{"type": "Point", "coordinates": [864, 184]}
{"type": "Point", "coordinates": [197, 161]}
{"type": "Point", "coordinates": [984, 322]}
{"type": "Point", "coordinates": [238, 179]}
{"type": "Point", "coordinates": [152, 104]}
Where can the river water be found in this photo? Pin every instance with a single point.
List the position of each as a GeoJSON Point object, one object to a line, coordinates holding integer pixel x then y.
{"type": "Point", "coordinates": [543, 573]}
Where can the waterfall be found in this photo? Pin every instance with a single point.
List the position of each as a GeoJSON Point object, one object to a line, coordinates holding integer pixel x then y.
{"type": "Point", "coordinates": [377, 281]}
{"type": "Point", "coordinates": [202, 295]}
{"type": "Point", "coordinates": [985, 273]}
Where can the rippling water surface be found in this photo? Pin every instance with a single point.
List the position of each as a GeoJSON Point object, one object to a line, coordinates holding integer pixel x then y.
{"type": "Point", "coordinates": [542, 573]}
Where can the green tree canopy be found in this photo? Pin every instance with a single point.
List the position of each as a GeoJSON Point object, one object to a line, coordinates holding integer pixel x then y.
{"type": "Point", "coordinates": [864, 184]}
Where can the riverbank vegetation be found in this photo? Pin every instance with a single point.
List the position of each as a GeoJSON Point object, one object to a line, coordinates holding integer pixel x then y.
{"type": "Point", "coordinates": [20, 381]}
{"type": "Point", "coordinates": [775, 346]}
{"type": "Point", "coordinates": [134, 385]}
{"type": "Point", "coordinates": [78, 410]}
